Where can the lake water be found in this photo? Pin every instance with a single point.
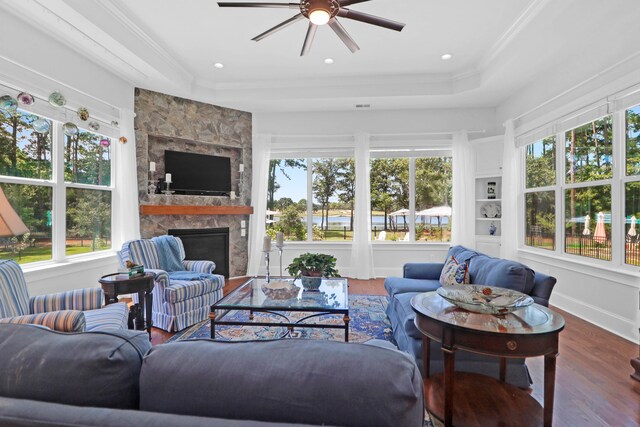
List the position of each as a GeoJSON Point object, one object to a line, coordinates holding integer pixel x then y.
{"type": "Point", "coordinates": [377, 220]}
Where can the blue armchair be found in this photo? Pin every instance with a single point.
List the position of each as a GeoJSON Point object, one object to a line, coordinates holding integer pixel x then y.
{"type": "Point", "coordinates": [177, 304]}
{"type": "Point", "coordinates": [77, 310]}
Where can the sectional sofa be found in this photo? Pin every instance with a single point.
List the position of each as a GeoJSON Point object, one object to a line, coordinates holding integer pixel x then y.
{"type": "Point", "coordinates": [482, 269]}
{"type": "Point", "coordinates": [115, 378]}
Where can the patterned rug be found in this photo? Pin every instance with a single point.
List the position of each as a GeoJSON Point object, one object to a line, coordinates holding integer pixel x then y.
{"type": "Point", "coordinates": [368, 321]}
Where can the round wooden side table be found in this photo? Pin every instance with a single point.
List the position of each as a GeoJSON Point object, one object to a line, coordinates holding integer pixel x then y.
{"type": "Point", "coordinates": [119, 284]}
{"type": "Point", "coordinates": [480, 399]}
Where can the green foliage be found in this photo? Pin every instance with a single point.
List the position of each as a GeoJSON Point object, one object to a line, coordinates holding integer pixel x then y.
{"type": "Point", "coordinates": [541, 163]}
{"type": "Point", "coordinates": [389, 185]}
{"type": "Point", "coordinates": [309, 264]}
{"type": "Point", "coordinates": [89, 215]}
{"type": "Point", "coordinates": [589, 151]}
{"type": "Point", "coordinates": [325, 185]}
{"type": "Point", "coordinates": [433, 182]}
{"type": "Point", "coordinates": [633, 141]}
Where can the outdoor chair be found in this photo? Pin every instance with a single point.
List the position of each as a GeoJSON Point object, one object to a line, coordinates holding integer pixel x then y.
{"type": "Point", "coordinates": [76, 310]}
{"type": "Point", "coordinates": [183, 299]}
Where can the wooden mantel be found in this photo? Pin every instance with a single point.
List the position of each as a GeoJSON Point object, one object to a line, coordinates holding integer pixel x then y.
{"type": "Point", "coordinates": [194, 210]}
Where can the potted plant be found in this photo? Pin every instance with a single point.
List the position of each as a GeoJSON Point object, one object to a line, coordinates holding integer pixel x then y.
{"type": "Point", "coordinates": [311, 268]}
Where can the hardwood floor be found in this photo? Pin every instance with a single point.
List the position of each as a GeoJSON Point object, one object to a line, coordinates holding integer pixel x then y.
{"type": "Point", "coordinates": [593, 383]}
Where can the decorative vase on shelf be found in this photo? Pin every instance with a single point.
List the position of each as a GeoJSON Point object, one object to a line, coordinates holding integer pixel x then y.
{"type": "Point", "coordinates": [491, 190]}
{"type": "Point", "coordinates": [492, 229]}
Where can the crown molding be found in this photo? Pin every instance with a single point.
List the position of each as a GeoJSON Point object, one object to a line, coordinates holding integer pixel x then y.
{"type": "Point", "coordinates": [529, 14]}
{"type": "Point", "coordinates": [122, 16]}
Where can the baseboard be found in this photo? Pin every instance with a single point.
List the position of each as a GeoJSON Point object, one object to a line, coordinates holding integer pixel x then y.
{"type": "Point", "coordinates": [606, 320]}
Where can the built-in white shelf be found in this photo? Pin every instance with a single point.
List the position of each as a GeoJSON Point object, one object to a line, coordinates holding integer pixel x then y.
{"type": "Point", "coordinates": [488, 200]}
{"type": "Point", "coordinates": [488, 219]}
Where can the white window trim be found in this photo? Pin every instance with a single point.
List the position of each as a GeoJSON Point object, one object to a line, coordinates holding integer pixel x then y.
{"type": "Point", "coordinates": [58, 202]}
{"type": "Point", "coordinates": [617, 183]}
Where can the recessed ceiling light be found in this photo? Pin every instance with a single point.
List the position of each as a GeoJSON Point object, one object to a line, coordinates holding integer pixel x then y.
{"type": "Point", "coordinates": [218, 65]}
{"type": "Point", "coordinates": [446, 56]}
{"type": "Point", "coordinates": [328, 61]}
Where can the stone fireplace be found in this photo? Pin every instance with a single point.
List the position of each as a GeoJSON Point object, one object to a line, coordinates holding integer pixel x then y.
{"type": "Point", "coordinates": [166, 122]}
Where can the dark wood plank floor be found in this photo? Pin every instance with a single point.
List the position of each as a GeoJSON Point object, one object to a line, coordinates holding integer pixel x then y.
{"type": "Point", "coordinates": [593, 384]}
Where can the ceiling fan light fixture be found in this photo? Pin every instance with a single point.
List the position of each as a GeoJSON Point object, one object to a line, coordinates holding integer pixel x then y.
{"type": "Point", "coordinates": [319, 16]}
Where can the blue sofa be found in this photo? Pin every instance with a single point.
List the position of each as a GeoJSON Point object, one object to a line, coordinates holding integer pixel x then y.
{"type": "Point", "coordinates": [424, 277]}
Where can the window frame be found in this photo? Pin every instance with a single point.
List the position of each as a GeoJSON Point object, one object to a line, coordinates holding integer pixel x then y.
{"type": "Point", "coordinates": [617, 182]}
{"type": "Point", "coordinates": [59, 190]}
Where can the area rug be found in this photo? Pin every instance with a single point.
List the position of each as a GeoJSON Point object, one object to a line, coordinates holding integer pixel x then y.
{"type": "Point", "coordinates": [367, 314]}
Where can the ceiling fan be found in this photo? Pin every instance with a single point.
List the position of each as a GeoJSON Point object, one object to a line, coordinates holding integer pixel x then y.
{"type": "Point", "coordinates": [321, 12]}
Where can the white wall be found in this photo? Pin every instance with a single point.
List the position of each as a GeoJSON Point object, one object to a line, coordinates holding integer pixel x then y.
{"type": "Point", "coordinates": [35, 62]}
{"type": "Point", "coordinates": [376, 122]}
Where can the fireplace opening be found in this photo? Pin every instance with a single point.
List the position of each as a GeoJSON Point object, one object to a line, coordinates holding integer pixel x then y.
{"type": "Point", "coordinates": [206, 244]}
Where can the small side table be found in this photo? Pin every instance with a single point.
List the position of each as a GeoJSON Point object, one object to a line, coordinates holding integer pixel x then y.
{"type": "Point", "coordinates": [531, 331]}
{"type": "Point", "coordinates": [118, 284]}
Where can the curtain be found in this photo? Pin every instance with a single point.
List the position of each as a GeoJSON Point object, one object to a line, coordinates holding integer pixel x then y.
{"type": "Point", "coordinates": [510, 188]}
{"type": "Point", "coordinates": [462, 229]}
{"type": "Point", "coordinates": [261, 155]}
{"type": "Point", "coordinates": [361, 249]}
{"type": "Point", "coordinates": [125, 198]}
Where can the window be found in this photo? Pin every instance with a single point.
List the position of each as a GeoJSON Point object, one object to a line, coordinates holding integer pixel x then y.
{"type": "Point", "coordinates": [28, 144]}
{"type": "Point", "coordinates": [588, 155]}
{"type": "Point", "coordinates": [632, 187]}
{"type": "Point", "coordinates": [389, 180]}
{"type": "Point", "coordinates": [23, 151]}
{"type": "Point", "coordinates": [540, 213]}
{"type": "Point", "coordinates": [393, 180]}
{"type": "Point", "coordinates": [88, 221]}
{"type": "Point", "coordinates": [25, 222]}
{"type": "Point", "coordinates": [333, 197]}
{"type": "Point", "coordinates": [432, 201]}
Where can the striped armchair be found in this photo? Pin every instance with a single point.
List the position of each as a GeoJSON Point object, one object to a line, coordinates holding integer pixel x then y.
{"type": "Point", "coordinates": [177, 304]}
{"type": "Point", "coordinates": [77, 310]}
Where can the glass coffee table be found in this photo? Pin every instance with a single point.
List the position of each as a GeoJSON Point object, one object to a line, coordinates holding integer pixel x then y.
{"type": "Point", "coordinates": [258, 295]}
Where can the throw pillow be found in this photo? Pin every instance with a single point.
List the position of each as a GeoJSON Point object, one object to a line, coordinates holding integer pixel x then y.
{"type": "Point", "coordinates": [454, 273]}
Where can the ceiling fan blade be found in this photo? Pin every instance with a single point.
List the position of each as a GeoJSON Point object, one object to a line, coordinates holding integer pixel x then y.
{"type": "Point", "coordinates": [278, 27]}
{"type": "Point", "coordinates": [344, 3]}
{"type": "Point", "coordinates": [370, 19]}
{"type": "Point", "coordinates": [308, 40]}
{"type": "Point", "coordinates": [283, 5]}
{"type": "Point", "coordinates": [344, 36]}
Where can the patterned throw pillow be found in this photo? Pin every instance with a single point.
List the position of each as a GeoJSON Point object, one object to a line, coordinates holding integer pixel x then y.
{"type": "Point", "coordinates": [454, 273]}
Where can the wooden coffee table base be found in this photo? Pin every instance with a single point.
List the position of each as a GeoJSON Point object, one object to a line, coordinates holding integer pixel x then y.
{"type": "Point", "coordinates": [483, 401]}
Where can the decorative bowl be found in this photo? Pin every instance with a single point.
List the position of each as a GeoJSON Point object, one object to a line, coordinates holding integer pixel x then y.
{"type": "Point", "coordinates": [485, 299]}
{"type": "Point", "coordinates": [8, 103]}
{"type": "Point", "coordinates": [70, 129]}
{"type": "Point", "coordinates": [281, 290]}
{"type": "Point", "coordinates": [41, 125]}
{"type": "Point", "coordinates": [56, 99]}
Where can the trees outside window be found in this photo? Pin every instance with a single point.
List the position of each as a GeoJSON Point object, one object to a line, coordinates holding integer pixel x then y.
{"type": "Point", "coordinates": [27, 148]}
{"type": "Point", "coordinates": [433, 195]}
{"type": "Point", "coordinates": [540, 172]}
{"type": "Point", "coordinates": [332, 195]}
{"type": "Point", "coordinates": [588, 158]}
{"type": "Point", "coordinates": [632, 187]}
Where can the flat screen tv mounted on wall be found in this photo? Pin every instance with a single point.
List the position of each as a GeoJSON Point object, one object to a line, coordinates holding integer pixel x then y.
{"type": "Point", "coordinates": [199, 174]}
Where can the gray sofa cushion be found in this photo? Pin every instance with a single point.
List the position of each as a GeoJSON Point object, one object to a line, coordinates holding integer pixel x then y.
{"type": "Point", "coordinates": [296, 381]}
{"type": "Point", "coordinates": [31, 413]}
{"type": "Point", "coordinates": [85, 369]}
